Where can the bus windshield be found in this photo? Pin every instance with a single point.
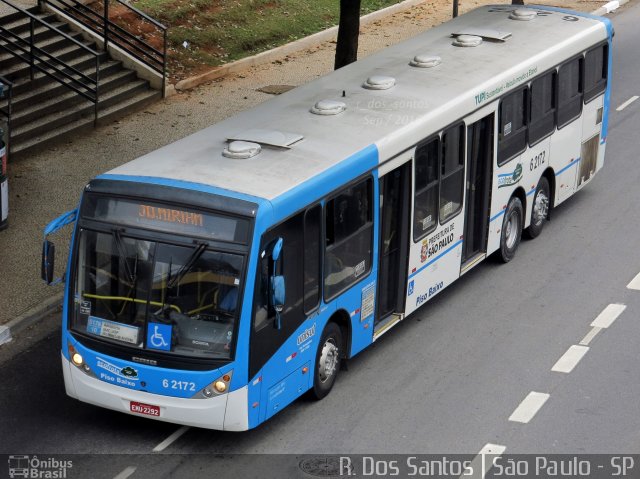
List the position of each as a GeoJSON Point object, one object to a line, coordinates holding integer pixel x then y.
{"type": "Point", "coordinates": [156, 296]}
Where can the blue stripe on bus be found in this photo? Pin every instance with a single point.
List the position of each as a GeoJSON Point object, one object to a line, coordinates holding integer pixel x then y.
{"type": "Point", "coordinates": [186, 185]}
{"type": "Point", "coordinates": [531, 191]}
{"type": "Point", "coordinates": [573, 163]}
{"type": "Point", "coordinates": [451, 248]}
{"type": "Point", "coordinates": [495, 217]}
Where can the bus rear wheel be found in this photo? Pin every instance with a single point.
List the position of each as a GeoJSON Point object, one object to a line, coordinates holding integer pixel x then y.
{"type": "Point", "coordinates": [327, 360]}
{"type": "Point", "coordinates": [540, 209]}
{"type": "Point", "coordinates": [511, 230]}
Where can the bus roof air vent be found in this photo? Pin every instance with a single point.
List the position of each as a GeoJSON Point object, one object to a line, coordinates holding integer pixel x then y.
{"type": "Point", "coordinates": [523, 14]}
{"type": "Point", "coordinates": [467, 41]}
{"type": "Point", "coordinates": [241, 150]}
{"type": "Point", "coordinates": [483, 33]}
{"type": "Point", "coordinates": [328, 107]}
{"type": "Point", "coordinates": [280, 139]}
{"type": "Point", "coordinates": [379, 82]}
{"type": "Point", "coordinates": [425, 61]}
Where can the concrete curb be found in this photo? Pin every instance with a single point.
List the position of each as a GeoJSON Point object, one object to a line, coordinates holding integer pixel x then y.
{"type": "Point", "coordinates": [37, 313]}
{"type": "Point", "coordinates": [609, 7]}
{"type": "Point", "coordinates": [281, 51]}
{"type": "Point", "coordinates": [29, 317]}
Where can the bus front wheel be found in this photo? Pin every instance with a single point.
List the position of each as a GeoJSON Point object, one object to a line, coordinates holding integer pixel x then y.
{"type": "Point", "coordinates": [327, 360]}
{"type": "Point", "coordinates": [511, 230]}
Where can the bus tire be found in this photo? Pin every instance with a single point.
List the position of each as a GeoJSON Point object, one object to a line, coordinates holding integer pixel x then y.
{"type": "Point", "coordinates": [540, 209]}
{"type": "Point", "coordinates": [327, 360]}
{"type": "Point", "coordinates": [511, 230]}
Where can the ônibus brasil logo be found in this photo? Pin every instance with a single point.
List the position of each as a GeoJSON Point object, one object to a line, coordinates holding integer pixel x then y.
{"type": "Point", "coordinates": [32, 466]}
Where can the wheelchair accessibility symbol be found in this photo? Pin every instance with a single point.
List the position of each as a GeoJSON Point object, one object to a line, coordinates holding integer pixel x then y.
{"type": "Point", "coordinates": [159, 336]}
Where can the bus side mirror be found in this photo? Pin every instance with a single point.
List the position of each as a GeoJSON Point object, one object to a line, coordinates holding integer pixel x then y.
{"type": "Point", "coordinates": [277, 298]}
{"type": "Point", "coordinates": [48, 261]}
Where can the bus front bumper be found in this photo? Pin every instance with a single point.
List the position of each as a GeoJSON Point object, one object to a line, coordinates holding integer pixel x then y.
{"type": "Point", "coordinates": [225, 412]}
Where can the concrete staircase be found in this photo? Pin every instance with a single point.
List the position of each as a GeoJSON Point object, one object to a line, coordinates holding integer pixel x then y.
{"type": "Point", "coordinates": [44, 109]}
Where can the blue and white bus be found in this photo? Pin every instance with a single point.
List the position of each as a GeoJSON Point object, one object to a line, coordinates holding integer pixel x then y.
{"type": "Point", "coordinates": [215, 280]}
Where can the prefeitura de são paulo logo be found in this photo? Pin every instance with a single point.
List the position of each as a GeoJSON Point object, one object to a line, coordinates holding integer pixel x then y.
{"type": "Point", "coordinates": [35, 467]}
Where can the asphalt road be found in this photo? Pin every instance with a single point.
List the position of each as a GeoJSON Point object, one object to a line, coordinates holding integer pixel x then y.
{"type": "Point", "coordinates": [446, 381]}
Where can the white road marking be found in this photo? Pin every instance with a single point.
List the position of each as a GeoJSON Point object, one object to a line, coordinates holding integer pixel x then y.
{"type": "Point", "coordinates": [608, 315]}
{"type": "Point", "coordinates": [481, 463]}
{"type": "Point", "coordinates": [126, 473]}
{"type": "Point", "coordinates": [168, 441]}
{"type": "Point", "coordinates": [570, 359]}
{"type": "Point", "coordinates": [529, 407]}
{"type": "Point", "coordinates": [635, 283]}
{"type": "Point", "coordinates": [627, 103]}
{"type": "Point", "coordinates": [590, 335]}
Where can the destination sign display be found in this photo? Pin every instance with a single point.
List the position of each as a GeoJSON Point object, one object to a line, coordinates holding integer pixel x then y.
{"type": "Point", "coordinates": [166, 218]}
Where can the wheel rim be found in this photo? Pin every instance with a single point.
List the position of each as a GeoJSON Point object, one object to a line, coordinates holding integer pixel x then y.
{"type": "Point", "coordinates": [328, 360]}
{"type": "Point", "coordinates": [540, 207]}
{"type": "Point", "coordinates": [511, 230]}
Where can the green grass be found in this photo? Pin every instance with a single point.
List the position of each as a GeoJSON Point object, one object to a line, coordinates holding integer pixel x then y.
{"type": "Point", "coordinates": [220, 31]}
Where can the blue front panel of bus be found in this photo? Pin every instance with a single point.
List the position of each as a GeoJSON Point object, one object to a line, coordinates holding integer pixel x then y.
{"type": "Point", "coordinates": [151, 379]}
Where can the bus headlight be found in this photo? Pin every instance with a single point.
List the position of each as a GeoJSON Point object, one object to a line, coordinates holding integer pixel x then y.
{"type": "Point", "coordinates": [78, 361]}
{"type": "Point", "coordinates": [217, 387]}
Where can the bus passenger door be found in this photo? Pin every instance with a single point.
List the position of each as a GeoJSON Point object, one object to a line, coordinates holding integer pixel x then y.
{"type": "Point", "coordinates": [395, 188]}
{"type": "Point", "coordinates": [480, 139]}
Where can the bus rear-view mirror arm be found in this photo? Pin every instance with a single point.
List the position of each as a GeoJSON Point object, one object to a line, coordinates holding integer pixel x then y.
{"type": "Point", "coordinates": [49, 249]}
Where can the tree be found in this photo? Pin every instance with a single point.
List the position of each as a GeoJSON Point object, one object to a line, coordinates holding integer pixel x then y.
{"type": "Point", "coordinates": [517, 2]}
{"type": "Point", "coordinates": [348, 31]}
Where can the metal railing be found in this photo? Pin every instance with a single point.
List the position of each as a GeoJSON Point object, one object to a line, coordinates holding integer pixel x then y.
{"type": "Point", "coordinates": [102, 20]}
{"type": "Point", "coordinates": [5, 111]}
{"type": "Point", "coordinates": [86, 85]}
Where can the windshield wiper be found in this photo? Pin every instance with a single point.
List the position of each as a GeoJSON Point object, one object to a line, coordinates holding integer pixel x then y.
{"type": "Point", "coordinates": [123, 255]}
{"type": "Point", "coordinates": [195, 256]}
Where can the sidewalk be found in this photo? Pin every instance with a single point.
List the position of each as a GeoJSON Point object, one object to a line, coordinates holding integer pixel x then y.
{"type": "Point", "coordinates": [48, 183]}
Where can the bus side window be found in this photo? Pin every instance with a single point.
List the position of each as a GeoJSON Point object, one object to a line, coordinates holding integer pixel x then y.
{"type": "Point", "coordinates": [452, 182]}
{"type": "Point", "coordinates": [512, 125]}
{"type": "Point", "coordinates": [349, 237]}
{"type": "Point", "coordinates": [543, 107]}
{"type": "Point", "coordinates": [312, 256]}
{"type": "Point", "coordinates": [595, 72]}
{"type": "Point", "coordinates": [570, 88]}
{"type": "Point", "coordinates": [427, 161]}
{"type": "Point", "coordinates": [291, 231]}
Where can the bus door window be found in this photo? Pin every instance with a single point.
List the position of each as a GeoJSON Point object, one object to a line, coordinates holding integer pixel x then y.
{"type": "Point", "coordinates": [266, 337]}
{"type": "Point", "coordinates": [570, 88]}
{"type": "Point", "coordinates": [427, 161]}
{"type": "Point", "coordinates": [452, 182]}
{"type": "Point", "coordinates": [312, 257]}
{"type": "Point", "coordinates": [512, 129]}
{"type": "Point", "coordinates": [348, 238]}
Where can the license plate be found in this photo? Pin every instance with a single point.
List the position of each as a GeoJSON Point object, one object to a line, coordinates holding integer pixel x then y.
{"type": "Point", "coordinates": [142, 408]}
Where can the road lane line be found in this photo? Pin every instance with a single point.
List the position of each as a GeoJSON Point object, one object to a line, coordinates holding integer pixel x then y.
{"type": "Point", "coordinates": [570, 359]}
{"type": "Point", "coordinates": [590, 335]}
{"type": "Point", "coordinates": [481, 463]}
{"type": "Point", "coordinates": [627, 103]}
{"type": "Point", "coordinates": [635, 283]}
{"type": "Point", "coordinates": [529, 407]}
{"type": "Point", "coordinates": [608, 315]}
{"type": "Point", "coordinates": [168, 441]}
{"type": "Point", "coordinates": [126, 473]}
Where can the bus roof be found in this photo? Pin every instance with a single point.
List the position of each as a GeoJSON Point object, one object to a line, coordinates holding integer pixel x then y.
{"type": "Point", "coordinates": [421, 103]}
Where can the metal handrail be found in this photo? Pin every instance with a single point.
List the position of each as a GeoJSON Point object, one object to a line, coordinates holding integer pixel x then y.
{"type": "Point", "coordinates": [6, 112]}
{"type": "Point", "coordinates": [110, 32]}
{"type": "Point", "coordinates": [27, 51]}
